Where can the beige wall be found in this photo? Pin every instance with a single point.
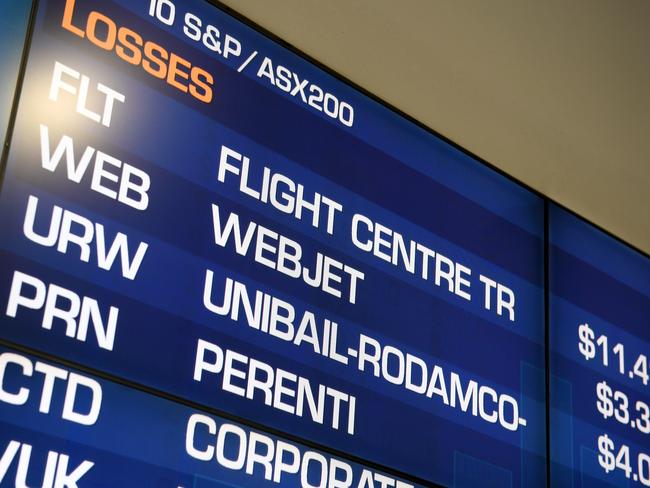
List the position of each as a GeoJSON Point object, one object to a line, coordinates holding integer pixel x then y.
{"type": "Point", "coordinates": [555, 93]}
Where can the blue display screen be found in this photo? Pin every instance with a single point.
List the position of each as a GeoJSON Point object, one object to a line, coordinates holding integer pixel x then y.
{"type": "Point", "coordinates": [599, 344]}
{"type": "Point", "coordinates": [191, 209]}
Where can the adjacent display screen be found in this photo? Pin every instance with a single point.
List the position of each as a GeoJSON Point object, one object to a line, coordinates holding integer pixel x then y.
{"type": "Point", "coordinates": [193, 214]}
{"type": "Point", "coordinates": [600, 344]}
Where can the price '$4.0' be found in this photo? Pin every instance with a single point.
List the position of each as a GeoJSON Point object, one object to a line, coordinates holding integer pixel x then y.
{"type": "Point", "coordinates": [611, 458]}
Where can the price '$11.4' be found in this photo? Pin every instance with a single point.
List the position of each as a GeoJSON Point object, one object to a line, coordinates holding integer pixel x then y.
{"type": "Point", "coordinates": [610, 459]}
{"type": "Point", "coordinates": [591, 347]}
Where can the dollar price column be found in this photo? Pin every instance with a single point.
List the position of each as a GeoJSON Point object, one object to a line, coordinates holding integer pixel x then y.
{"type": "Point", "coordinates": [625, 408]}
{"type": "Point", "coordinates": [599, 346]}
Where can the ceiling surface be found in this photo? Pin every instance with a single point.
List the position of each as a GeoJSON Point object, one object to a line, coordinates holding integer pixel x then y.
{"type": "Point", "coordinates": [555, 93]}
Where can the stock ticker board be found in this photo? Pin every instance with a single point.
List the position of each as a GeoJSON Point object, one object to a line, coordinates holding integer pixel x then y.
{"type": "Point", "coordinates": [222, 266]}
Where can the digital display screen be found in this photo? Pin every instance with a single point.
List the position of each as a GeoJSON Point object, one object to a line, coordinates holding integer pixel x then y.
{"type": "Point", "coordinates": [600, 343]}
{"type": "Point", "coordinates": [206, 222]}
